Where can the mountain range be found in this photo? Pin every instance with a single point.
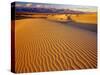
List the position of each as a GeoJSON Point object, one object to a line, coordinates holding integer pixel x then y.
{"type": "Point", "coordinates": [48, 10]}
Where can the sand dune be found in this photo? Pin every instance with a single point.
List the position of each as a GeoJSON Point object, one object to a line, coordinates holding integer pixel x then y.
{"type": "Point", "coordinates": [80, 18]}
{"type": "Point", "coordinates": [85, 18]}
{"type": "Point", "coordinates": [58, 17]}
{"type": "Point", "coordinates": [42, 45]}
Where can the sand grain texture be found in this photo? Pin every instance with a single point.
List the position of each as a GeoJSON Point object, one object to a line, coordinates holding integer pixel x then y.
{"type": "Point", "coordinates": [42, 45]}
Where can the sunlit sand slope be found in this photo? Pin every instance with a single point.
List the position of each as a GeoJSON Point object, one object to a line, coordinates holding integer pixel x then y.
{"type": "Point", "coordinates": [58, 17]}
{"type": "Point", "coordinates": [80, 18]}
{"type": "Point", "coordinates": [85, 18]}
{"type": "Point", "coordinates": [43, 45]}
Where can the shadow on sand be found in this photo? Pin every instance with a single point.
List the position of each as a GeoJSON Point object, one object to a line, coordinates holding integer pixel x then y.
{"type": "Point", "coordinates": [26, 17]}
{"type": "Point", "coordinates": [86, 26]}
{"type": "Point", "coordinates": [21, 17]}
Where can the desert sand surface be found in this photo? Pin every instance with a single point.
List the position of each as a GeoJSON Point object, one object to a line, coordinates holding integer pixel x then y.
{"type": "Point", "coordinates": [85, 18]}
{"type": "Point", "coordinates": [58, 17]}
{"type": "Point", "coordinates": [80, 18]}
{"type": "Point", "coordinates": [43, 45]}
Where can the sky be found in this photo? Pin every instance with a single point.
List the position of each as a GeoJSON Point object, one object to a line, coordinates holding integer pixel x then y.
{"type": "Point", "coordinates": [57, 6]}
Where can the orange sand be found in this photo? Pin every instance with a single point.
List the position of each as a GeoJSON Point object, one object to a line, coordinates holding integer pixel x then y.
{"type": "Point", "coordinates": [80, 18]}
{"type": "Point", "coordinates": [43, 45]}
{"type": "Point", "coordinates": [85, 18]}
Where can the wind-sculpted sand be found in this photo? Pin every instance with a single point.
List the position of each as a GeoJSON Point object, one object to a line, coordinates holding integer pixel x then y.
{"type": "Point", "coordinates": [85, 18]}
{"type": "Point", "coordinates": [43, 45]}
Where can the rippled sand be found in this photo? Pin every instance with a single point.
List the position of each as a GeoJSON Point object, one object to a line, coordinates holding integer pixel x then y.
{"type": "Point", "coordinates": [43, 45]}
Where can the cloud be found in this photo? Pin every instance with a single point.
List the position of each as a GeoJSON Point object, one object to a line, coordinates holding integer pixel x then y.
{"type": "Point", "coordinates": [38, 5]}
{"type": "Point", "coordinates": [18, 5]}
{"type": "Point", "coordinates": [42, 6]}
{"type": "Point", "coordinates": [28, 5]}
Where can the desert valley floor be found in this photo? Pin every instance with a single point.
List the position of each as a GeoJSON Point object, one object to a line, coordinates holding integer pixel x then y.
{"type": "Point", "coordinates": [43, 45]}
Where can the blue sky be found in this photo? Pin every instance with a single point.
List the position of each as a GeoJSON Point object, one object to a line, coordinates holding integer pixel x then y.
{"type": "Point", "coordinates": [57, 6]}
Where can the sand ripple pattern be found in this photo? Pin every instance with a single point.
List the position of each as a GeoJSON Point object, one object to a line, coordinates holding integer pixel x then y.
{"type": "Point", "coordinates": [42, 45]}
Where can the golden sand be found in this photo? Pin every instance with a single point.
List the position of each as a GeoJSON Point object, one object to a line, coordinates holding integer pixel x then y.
{"type": "Point", "coordinates": [43, 45]}
{"type": "Point", "coordinates": [80, 18]}
{"type": "Point", "coordinates": [85, 18]}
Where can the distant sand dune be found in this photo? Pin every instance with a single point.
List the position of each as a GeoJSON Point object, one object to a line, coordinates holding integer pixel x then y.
{"type": "Point", "coordinates": [42, 45]}
{"type": "Point", "coordinates": [85, 18]}
{"type": "Point", "coordinates": [80, 18]}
